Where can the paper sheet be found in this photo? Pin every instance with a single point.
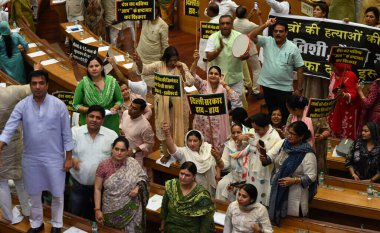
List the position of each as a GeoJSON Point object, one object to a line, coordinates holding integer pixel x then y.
{"type": "Point", "coordinates": [88, 40]}
{"type": "Point", "coordinates": [167, 164]}
{"type": "Point", "coordinates": [104, 48]}
{"type": "Point", "coordinates": [128, 65]}
{"type": "Point", "coordinates": [36, 54]}
{"type": "Point", "coordinates": [32, 45]}
{"type": "Point", "coordinates": [190, 89]}
{"type": "Point", "coordinates": [49, 62]}
{"type": "Point", "coordinates": [74, 230]}
{"type": "Point", "coordinates": [154, 202]}
{"type": "Point", "coordinates": [219, 218]}
{"type": "Point", "coordinates": [119, 58]}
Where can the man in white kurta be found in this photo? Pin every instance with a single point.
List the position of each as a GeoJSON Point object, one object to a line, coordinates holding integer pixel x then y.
{"type": "Point", "coordinates": [47, 135]}
{"type": "Point", "coordinates": [137, 129]}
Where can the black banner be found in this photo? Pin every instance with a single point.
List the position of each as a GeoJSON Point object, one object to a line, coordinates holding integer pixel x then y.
{"type": "Point", "coordinates": [208, 28]}
{"type": "Point", "coordinates": [168, 85]}
{"type": "Point", "coordinates": [315, 37]}
{"type": "Point", "coordinates": [135, 10]}
{"type": "Point", "coordinates": [208, 105]}
{"type": "Point", "coordinates": [353, 56]}
{"type": "Point", "coordinates": [320, 107]}
{"type": "Point", "coordinates": [67, 98]}
{"type": "Point", "coordinates": [82, 52]}
{"type": "Point", "coordinates": [192, 7]}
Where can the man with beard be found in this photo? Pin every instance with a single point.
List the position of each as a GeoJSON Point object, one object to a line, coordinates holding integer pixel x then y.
{"type": "Point", "coordinates": [281, 58]}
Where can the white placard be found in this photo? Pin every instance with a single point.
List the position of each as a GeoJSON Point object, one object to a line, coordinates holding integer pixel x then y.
{"type": "Point", "coordinates": [49, 62]}
{"type": "Point", "coordinates": [88, 40]}
{"type": "Point", "coordinates": [154, 202]}
{"type": "Point", "coordinates": [36, 54]}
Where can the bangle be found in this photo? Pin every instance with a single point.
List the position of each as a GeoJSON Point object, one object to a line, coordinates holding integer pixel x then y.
{"type": "Point", "coordinates": [96, 210]}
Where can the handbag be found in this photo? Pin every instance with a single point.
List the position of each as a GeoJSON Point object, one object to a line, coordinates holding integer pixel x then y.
{"type": "Point", "coordinates": [343, 148]}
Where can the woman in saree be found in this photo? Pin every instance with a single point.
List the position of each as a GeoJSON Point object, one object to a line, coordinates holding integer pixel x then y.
{"type": "Point", "coordinates": [125, 194]}
{"type": "Point", "coordinates": [215, 129]}
{"type": "Point", "coordinates": [294, 173]}
{"type": "Point", "coordinates": [170, 108]}
{"type": "Point", "coordinates": [235, 162]}
{"type": "Point", "coordinates": [96, 88]}
{"type": "Point", "coordinates": [186, 206]}
{"type": "Point", "coordinates": [199, 152]}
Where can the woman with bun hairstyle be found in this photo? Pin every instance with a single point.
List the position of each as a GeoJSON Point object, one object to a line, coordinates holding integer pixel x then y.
{"type": "Point", "coordinates": [294, 173]}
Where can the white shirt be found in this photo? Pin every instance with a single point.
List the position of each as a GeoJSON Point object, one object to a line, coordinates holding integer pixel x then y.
{"type": "Point", "coordinates": [226, 7]}
{"type": "Point", "coordinates": [90, 152]}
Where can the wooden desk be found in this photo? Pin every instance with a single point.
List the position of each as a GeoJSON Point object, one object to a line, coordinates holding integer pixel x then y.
{"type": "Point", "coordinates": [69, 220]}
{"type": "Point", "coordinates": [348, 200]}
{"type": "Point", "coordinates": [4, 78]}
{"type": "Point", "coordinates": [61, 74]}
{"type": "Point", "coordinates": [335, 163]}
{"type": "Point", "coordinates": [102, 54]}
{"type": "Point", "coordinates": [160, 173]}
{"type": "Point", "coordinates": [288, 225]}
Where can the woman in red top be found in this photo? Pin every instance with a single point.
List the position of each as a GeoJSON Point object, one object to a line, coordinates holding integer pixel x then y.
{"type": "Point", "coordinates": [343, 120]}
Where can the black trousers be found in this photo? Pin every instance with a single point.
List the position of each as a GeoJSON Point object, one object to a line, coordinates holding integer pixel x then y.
{"type": "Point", "coordinates": [276, 98]}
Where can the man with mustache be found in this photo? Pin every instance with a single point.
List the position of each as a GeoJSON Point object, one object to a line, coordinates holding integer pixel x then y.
{"type": "Point", "coordinates": [281, 58]}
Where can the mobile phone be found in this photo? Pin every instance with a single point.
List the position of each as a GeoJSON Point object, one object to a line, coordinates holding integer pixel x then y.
{"type": "Point", "coordinates": [261, 143]}
{"type": "Point", "coordinates": [255, 5]}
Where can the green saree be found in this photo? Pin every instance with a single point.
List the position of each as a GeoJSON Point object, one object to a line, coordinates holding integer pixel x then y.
{"type": "Point", "coordinates": [192, 213]}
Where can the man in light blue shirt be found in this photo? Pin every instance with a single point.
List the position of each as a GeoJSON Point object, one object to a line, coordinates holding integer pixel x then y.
{"type": "Point", "coordinates": [47, 148]}
{"type": "Point", "coordinates": [281, 58]}
{"type": "Point", "coordinates": [92, 144]}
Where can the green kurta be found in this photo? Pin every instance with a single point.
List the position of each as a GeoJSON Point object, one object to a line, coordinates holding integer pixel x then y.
{"type": "Point", "coordinates": [192, 213]}
{"type": "Point", "coordinates": [86, 94]}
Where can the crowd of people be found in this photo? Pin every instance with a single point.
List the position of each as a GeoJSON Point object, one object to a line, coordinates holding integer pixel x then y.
{"type": "Point", "coordinates": [265, 165]}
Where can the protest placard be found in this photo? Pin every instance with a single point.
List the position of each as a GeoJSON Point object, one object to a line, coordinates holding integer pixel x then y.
{"type": "Point", "coordinates": [192, 7]}
{"type": "Point", "coordinates": [207, 104]}
{"type": "Point", "coordinates": [207, 29]}
{"type": "Point", "coordinates": [67, 97]}
{"type": "Point", "coordinates": [314, 37]}
{"type": "Point", "coordinates": [82, 52]}
{"type": "Point", "coordinates": [167, 85]}
{"type": "Point", "coordinates": [135, 10]}
{"type": "Point", "coordinates": [320, 107]}
{"type": "Point", "coordinates": [348, 55]}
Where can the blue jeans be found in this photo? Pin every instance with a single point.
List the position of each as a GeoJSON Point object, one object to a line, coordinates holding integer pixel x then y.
{"type": "Point", "coordinates": [81, 200]}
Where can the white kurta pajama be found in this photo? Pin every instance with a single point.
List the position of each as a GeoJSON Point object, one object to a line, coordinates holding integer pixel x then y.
{"type": "Point", "coordinates": [47, 135]}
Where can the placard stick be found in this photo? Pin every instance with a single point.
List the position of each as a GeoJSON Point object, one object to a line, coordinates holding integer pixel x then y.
{"type": "Point", "coordinates": [196, 32]}
{"type": "Point", "coordinates": [135, 39]}
{"type": "Point", "coordinates": [212, 138]}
